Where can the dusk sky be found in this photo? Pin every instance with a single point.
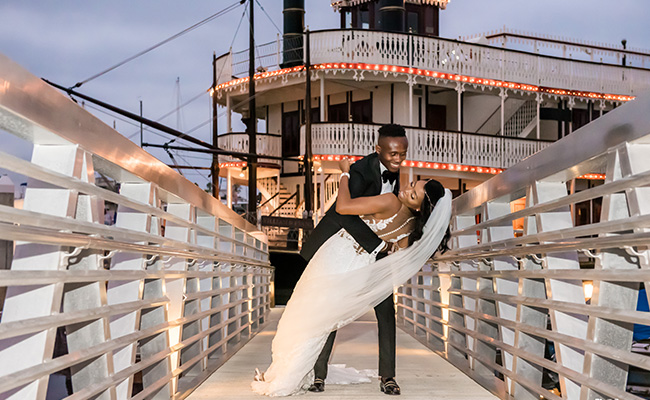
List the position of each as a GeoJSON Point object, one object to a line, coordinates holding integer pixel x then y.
{"type": "Point", "coordinates": [69, 41]}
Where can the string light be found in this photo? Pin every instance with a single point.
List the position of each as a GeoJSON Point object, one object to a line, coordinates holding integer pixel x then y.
{"type": "Point", "coordinates": [240, 164]}
{"type": "Point", "coordinates": [433, 74]}
{"type": "Point", "coordinates": [415, 164]}
{"type": "Point", "coordinates": [592, 176]}
{"type": "Point", "coordinates": [421, 164]}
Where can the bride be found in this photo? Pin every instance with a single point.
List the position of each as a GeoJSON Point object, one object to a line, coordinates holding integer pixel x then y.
{"type": "Point", "coordinates": [342, 281]}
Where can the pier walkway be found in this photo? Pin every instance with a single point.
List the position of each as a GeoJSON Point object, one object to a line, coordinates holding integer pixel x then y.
{"type": "Point", "coordinates": [420, 372]}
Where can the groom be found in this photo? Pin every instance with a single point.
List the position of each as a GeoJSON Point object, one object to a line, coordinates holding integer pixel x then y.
{"type": "Point", "coordinates": [375, 174]}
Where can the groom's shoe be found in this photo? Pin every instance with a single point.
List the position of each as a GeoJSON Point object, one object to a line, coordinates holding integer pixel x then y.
{"type": "Point", "coordinates": [317, 386]}
{"type": "Point", "coordinates": [389, 386]}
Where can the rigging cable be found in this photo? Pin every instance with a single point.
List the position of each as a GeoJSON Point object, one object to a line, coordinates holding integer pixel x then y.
{"type": "Point", "coordinates": [193, 167]}
{"type": "Point", "coordinates": [233, 40]}
{"type": "Point", "coordinates": [169, 39]}
{"type": "Point", "coordinates": [268, 16]}
{"type": "Point", "coordinates": [211, 119]}
{"type": "Point", "coordinates": [250, 32]}
{"type": "Point", "coordinates": [126, 121]}
{"type": "Point", "coordinates": [167, 114]}
{"type": "Point", "coordinates": [169, 153]}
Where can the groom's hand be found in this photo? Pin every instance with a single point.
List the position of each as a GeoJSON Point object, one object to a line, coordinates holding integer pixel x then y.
{"type": "Point", "coordinates": [344, 165]}
{"type": "Point", "coordinates": [388, 248]}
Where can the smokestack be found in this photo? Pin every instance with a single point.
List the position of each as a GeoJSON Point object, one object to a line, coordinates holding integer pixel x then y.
{"type": "Point", "coordinates": [294, 26]}
{"type": "Point", "coordinates": [391, 15]}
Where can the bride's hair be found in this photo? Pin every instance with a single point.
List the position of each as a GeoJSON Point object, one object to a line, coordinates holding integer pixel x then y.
{"type": "Point", "coordinates": [433, 191]}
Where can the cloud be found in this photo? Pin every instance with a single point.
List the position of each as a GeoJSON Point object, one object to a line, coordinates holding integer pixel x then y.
{"type": "Point", "coordinates": [67, 41]}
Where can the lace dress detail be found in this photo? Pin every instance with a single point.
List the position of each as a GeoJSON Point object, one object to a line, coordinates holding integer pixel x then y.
{"type": "Point", "coordinates": [391, 229]}
{"type": "Point", "coordinates": [341, 283]}
{"type": "Point", "coordinates": [395, 228]}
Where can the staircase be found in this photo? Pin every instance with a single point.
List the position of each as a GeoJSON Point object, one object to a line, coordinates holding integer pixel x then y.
{"type": "Point", "coordinates": [522, 122]}
{"type": "Point", "coordinates": [282, 211]}
{"type": "Point", "coordinates": [519, 115]}
{"type": "Point", "coordinates": [281, 220]}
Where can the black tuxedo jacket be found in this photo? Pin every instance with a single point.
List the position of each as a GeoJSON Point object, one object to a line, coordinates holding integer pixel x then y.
{"type": "Point", "coordinates": [365, 180]}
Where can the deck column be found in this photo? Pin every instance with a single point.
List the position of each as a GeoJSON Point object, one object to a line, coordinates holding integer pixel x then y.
{"type": "Point", "coordinates": [323, 99]}
{"type": "Point", "coordinates": [410, 82]}
{"type": "Point", "coordinates": [503, 93]}
{"type": "Point", "coordinates": [229, 188]}
{"type": "Point", "coordinates": [539, 102]}
{"type": "Point", "coordinates": [322, 193]}
{"type": "Point", "coordinates": [228, 114]}
{"type": "Point", "coordinates": [571, 103]}
{"type": "Point", "coordinates": [601, 107]}
{"type": "Point", "coordinates": [460, 88]}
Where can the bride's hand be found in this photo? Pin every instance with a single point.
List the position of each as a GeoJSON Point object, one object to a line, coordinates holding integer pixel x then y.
{"type": "Point", "coordinates": [344, 165]}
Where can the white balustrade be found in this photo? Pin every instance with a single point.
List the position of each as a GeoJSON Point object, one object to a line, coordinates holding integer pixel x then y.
{"type": "Point", "coordinates": [482, 150]}
{"type": "Point", "coordinates": [166, 291]}
{"type": "Point", "coordinates": [495, 302]}
{"type": "Point", "coordinates": [573, 48]}
{"type": "Point", "coordinates": [452, 57]}
{"type": "Point", "coordinates": [449, 56]}
{"type": "Point", "coordinates": [267, 145]}
{"type": "Point", "coordinates": [424, 145]}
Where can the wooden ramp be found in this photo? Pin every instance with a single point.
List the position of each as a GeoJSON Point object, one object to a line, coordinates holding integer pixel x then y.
{"type": "Point", "coordinates": [421, 373]}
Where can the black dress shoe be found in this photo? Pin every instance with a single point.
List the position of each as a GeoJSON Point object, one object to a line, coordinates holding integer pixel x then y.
{"type": "Point", "coordinates": [317, 386]}
{"type": "Point", "coordinates": [389, 386]}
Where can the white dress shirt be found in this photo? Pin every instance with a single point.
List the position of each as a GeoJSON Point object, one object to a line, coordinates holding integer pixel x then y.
{"type": "Point", "coordinates": [386, 187]}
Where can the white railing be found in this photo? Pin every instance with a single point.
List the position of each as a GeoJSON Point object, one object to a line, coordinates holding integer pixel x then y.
{"type": "Point", "coordinates": [453, 57]}
{"type": "Point", "coordinates": [510, 306]}
{"type": "Point", "coordinates": [268, 57]}
{"type": "Point", "coordinates": [424, 145]}
{"type": "Point", "coordinates": [151, 301]}
{"type": "Point", "coordinates": [331, 188]}
{"type": "Point", "coordinates": [576, 48]}
{"type": "Point", "coordinates": [267, 145]}
{"type": "Point", "coordinates": [449, 56]}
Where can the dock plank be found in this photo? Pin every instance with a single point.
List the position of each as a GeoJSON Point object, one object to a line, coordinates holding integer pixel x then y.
{"type": "Point", "coordinates": [421, 373]}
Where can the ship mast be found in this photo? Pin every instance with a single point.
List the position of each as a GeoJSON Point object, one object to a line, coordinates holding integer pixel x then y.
{"type": "Point", "coordinates": [251, 126]}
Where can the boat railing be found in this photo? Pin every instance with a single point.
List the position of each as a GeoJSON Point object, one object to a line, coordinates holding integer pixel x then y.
{"type": "Point", "coordinates": [425, 145]}
{"type": "Point", "coordinates": [267, 145]}
{"type": "Point", "coordinates": [448, 56]}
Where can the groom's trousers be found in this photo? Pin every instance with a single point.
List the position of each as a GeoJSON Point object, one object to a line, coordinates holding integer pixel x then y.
{"type": "Point", "coordinates": [385, 313]}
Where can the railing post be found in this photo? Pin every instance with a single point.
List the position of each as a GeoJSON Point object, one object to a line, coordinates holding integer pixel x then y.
{"type": "Point", "coordinates": [624, 161]}
{"type": "Point", "coordinates": [27, 302]}
{"type": "Point", "coordinates": [127, 291]}
{"type": "Point", "coordinates": [458, 321]}
{"type": "Point", "coordinates": [564, 290]}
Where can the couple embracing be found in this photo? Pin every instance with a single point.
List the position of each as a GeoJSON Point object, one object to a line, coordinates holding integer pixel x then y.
{"type": "Point", "coordinates": [376, 237]}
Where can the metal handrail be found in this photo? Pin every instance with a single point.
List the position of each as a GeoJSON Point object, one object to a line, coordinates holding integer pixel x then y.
{"type": "Point", "coordinates": [283, 203]}
{"type": "Point", "coordinates": [269, 199]}
{"type": "Point", "coordinates": [495, 291]}
{"type": "Point", "coordinates": [143, 283]}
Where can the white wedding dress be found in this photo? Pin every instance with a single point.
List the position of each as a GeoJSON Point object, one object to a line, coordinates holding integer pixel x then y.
{"type": "Point", "coordinates": [341, 283]}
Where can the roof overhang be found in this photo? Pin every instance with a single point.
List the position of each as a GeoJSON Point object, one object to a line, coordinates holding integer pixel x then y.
{"type": "Point", "coordinates": [337, 4]}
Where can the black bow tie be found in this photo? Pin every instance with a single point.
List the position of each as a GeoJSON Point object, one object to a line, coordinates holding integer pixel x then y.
{"type": "Point", "coordinates": [389, 176]}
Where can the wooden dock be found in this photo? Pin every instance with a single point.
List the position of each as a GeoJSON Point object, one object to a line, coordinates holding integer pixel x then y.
{"type": "Point", "coordinates": [421, 373]}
